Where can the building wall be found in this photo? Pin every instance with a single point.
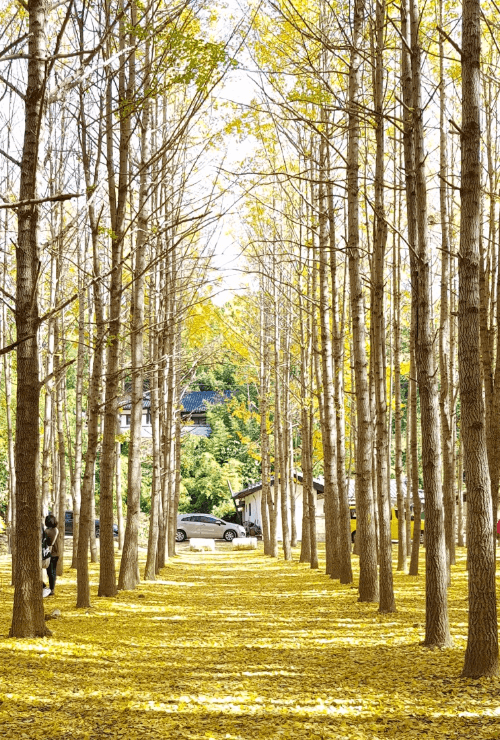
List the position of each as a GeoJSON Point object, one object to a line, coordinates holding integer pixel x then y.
{"type": "Point", "coordinates": [252, 512]}
{"type": "Point", "coordinates": [146, 431]}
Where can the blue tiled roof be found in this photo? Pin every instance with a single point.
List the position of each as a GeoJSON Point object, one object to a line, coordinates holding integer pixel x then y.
{"type": "Point", "coordinates": [198, 430]}
{"type": "Point", "coordinates": [192, 403]}
{"type": "Point", "coordinates": [125, 403]}
{"type": "Point", "coordinates": [197, 401]}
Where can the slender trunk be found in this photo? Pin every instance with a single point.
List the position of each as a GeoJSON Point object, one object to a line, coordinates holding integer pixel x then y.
{"type": "Point", "coordinates": [11, 500]}
{"type": "Point", "coordinates": [481, 656]}
{"type": "Point", "coordinates": [87, 517]}
{"type": "Point", "coordinates": [28, 615]}
{"type": "Point", "coordinates": [437, 630]}
{"type": "Point", "coordinates": [280, 471]}
{"type": "Point", "coordinates": [150, 570]}
{"type": "Point", "coordinates": [365, 533]}
{"type": "Point", "coordinates": [292, 488]}
{"type": "Point", "coordinates": [386, 590]}
{"type": "Point", "coordinates": [326, 388]}
{"type": "Point", "coordinates": [49, 389]}
{"type": "Point", "coordinates": [403, 509]}
{"type": "Point", "coordinates": [61, 447]}
{"type": "Point", "coordinates": [117, 199]}
{"type": "Point", "coordinates": [444, 328]}
{"type": "Point", "coordinates": [76, 492]}
{"type": "Point", "coordinates": [118, 490]}
{"type": "Point", "coordinates": [263, 410]}
{"type": "Point", "coordinates": [411, 207]}
{"type": "Point", "coordinates": [461, 514]}
{"type": "Point", "coordinates": [129, 566]}
{"type": "Point", "coordinates": [345, 542]}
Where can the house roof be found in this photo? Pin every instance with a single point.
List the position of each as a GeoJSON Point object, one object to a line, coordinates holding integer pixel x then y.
{"type": "Point", "coordinates": [317, 485]}
{"type": "Point", "coordinates": [197, 430]}
{"type": "Point", "coordinates": [125, 404]}
{"type": "Point", "coordinates": [196, 402]}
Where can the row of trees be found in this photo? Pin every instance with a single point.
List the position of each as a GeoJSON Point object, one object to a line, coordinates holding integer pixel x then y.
{"type": "Point", "coordinates": [370, 200]}
{"type": "Point", "coordinates": [103, 265]}
{"type": "Point", "coordinates": [355, 124]}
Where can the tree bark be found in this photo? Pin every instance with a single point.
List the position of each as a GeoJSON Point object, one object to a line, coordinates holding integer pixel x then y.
{"type": "Point", "coordinates": [365, 533]}
{"type": "Point", "coordinates": [481, 656]}
{"type": "Point", "coordinates": [329, 427]}
{"type": "Point", "coordinates": [76, 493]}
{"type": "Point", "coordinates": [437, 632]}
{"type": "Point", "coordinates": [129, 566]}
{"type": "Point", "coordinates": [444, 328]}
{"type": "Point", "coordinates": [28, 616]}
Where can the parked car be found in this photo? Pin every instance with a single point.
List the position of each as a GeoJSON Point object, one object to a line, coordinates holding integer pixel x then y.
{"type": "Point", "coordinates": [206, 525]}
{"type": "Point", "coordinates": [68, 526]}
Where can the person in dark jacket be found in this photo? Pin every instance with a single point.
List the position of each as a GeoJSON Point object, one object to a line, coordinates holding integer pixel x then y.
{"type": "Point", "coordinates": [53, 533]}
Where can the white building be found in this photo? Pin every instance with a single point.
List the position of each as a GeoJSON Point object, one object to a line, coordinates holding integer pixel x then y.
{"type": "Point", "coordinates": [249, 501]}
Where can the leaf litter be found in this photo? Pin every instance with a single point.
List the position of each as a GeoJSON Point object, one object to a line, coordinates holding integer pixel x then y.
{"type": "Point", "coordinates": [235, 646]}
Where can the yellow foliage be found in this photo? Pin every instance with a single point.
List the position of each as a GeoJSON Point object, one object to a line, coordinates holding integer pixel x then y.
{"type": "Point", "coordinates": [235, 646]}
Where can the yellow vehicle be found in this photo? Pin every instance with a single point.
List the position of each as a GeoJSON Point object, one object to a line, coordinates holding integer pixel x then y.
{"type": "Point", "coordinates": [394, 523]}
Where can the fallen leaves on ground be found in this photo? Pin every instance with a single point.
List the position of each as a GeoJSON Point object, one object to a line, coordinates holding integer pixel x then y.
{"type": "Point", "coordinates": [235, 646]}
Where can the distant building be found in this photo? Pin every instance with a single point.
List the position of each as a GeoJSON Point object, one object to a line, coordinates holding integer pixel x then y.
{"type": "Point", "coordinates": [193, 413]}
{"type": "Point", "coordinates": [249, 501]}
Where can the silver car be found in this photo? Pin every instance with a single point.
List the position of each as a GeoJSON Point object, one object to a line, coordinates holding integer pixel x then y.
{"type": "Point", "coordinates": [206, 525]}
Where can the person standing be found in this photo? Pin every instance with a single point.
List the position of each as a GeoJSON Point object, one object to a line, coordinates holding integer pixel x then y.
{"type": "Point", "coordinates": [53, 533]}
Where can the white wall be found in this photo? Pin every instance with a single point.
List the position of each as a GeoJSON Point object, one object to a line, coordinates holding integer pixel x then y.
{"type": "Point", "coordinates": [147, 431]}
{"type": "Point", "coordinates": [254, 501]}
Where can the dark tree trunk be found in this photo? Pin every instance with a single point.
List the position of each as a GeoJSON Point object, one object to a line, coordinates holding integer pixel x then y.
{"type": "Point", "coordinates": [481, 656]}
{"type": "Point", "coordinates": [28, 618]}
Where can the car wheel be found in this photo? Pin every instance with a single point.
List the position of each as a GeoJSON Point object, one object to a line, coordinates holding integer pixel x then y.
{"type": "Point", "coordinates": [180, 536]}
{"type": "Point", "coordinates": [229, 535]}
{"type": "Point", "coordinates": [353, 536]}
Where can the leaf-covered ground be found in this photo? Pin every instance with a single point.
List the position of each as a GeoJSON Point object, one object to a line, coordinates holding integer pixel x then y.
{"type": "Point", "coordinates": [234, 645]}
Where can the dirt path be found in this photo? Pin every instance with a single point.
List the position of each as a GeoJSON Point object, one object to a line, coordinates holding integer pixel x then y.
{"type": "Point", "coordinates": [232, 645]}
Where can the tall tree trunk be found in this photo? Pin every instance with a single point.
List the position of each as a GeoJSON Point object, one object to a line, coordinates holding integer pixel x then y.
{"type": "Point", "coordinates": [386, 590]}
{"type": "Point", "coordinates": [345, 542]}
{"type": "Point", "coordinates": [398, 452]}
{"type": "Point", "coordinates": [481, 656]}
{"type": "Point", "coordinates": [280, 470]}
{"type": "Point", "coordinates": [292, 484]}
{"type": "Point", "coordinates": [365, 533]}
{"type": "Point", "coordinates": [118, 490]}
{"type": "Point", "coordinates": [327, 388]}
{"type": "Point", "coordinates": [93, 412]}
{"type": "Point", "coordinates": [129, 566]}
{"type": "Point", "coordinates": [150, 570]}
{"type": "Point", "coordinates": [263, 411]}
{"type": "Point", "coordinates": [76, 492]}
{"type": "Point", "coordinates": [117, 200]}
{"type": "Point", "coordinates": [49, 390]}
{"type": "Point", "coordinates": [444, 328]}
{"type": "Point", "coordinates": [437, 630]}
{"type": "Point", "coordinates": [61, 447]}
{"type": "Point", "coordinates": [28, 615]}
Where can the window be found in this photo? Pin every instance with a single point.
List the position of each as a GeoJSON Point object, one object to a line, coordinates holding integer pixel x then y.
{"type": "Point", "coordinates": [148, 416]}
{"type": "Point", "coordinates": [127, 420]}
{"type": "Point", "coordinates": [249, 509]}
{"type": "Point", "coordinates": [205, 519]}
{"type": "Point", "coordinates": [353, 512]}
